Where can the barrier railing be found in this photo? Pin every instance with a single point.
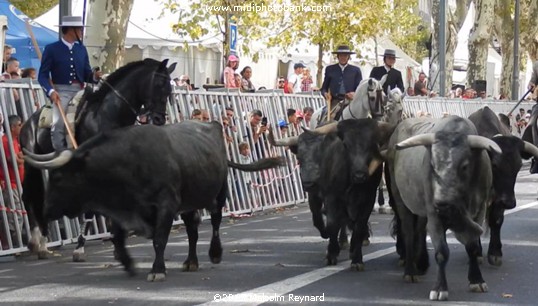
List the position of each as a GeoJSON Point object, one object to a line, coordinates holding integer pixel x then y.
{"type": "Point", "coordinates": [248, 192]}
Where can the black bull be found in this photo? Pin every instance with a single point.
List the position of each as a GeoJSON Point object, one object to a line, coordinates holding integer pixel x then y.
{"type": "Point", "coordinates": [505, 167]}
{"type": "Point", "coordinates": [143, 176]}
{"type": "Point", "coordinates": [340, 171]}
{"type": "Point", "coordinates": [116, 104]}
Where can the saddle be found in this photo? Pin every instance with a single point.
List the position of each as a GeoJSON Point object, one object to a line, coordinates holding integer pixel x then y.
{"type": "Point", "coordinates": [336, 112]}
{"type": "Point", "coordinates": [45, 118]}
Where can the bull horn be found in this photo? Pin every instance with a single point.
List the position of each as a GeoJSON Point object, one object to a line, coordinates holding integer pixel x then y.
{"type": "Point", "coordinates": [285, 142]}
{"type": "Point", "coordinates": [481, 142]}
{"type": "Point", "coordinates": [417, 140]}
{"type": "Point", "coordinates": [530, 148]}
{"type": "Point", "coordinates": [374, 164]}
{"type": "Point", "coordinates": [39, 157]}
{"type": "Point", "coordinates": [63, 158]}
{"type": "Point", "coordinates": [326, 129]}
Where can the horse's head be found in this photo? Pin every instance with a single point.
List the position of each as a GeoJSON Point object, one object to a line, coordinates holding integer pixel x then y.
{"type": "Point", "coordinates": [159, 91]}
{"type": "Point", "coordinates": [376, 97]}
{"type": "Point", "coordinates": [393, 106]}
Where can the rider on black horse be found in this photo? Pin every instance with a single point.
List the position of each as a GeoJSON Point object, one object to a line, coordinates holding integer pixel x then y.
{"type": "Point", "coordinates": [65, 68]}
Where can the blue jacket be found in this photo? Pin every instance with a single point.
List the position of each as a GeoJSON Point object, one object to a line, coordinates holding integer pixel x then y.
{"type": "Point", "coordinates": [351, 77]}
{"type": "Point", "coordinates": [64, 66]}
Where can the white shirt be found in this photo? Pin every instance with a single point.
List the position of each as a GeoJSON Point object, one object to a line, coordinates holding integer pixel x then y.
{"type": "Point", "coordinates": [68, 44]}
{"type": "Point", "coordinates": [342, 67]}
{"type": "Point", "coordinates": [296, 80]}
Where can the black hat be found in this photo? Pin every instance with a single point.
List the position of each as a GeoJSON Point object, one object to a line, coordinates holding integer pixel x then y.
{"type": "Point", "coordinates": [343, 49]}
{"type": "Point", "coordinates": [299, 65]}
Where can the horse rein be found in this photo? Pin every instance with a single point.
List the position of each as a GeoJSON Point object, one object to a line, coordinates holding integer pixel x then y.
{"type": "Point", "coordinates": [122, 98]}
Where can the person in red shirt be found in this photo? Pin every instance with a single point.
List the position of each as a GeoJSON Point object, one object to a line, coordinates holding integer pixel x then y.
{"type": "Point", "coordinates": [12, 208]}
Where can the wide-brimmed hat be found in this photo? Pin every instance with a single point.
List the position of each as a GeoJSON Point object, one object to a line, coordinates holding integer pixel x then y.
{"type": "Point", "coordinates": [343, 49]}
{"type": "Point", "coordinates": [390, 52]}
{"type": "Point", "coordinates": [299, 65]}
{"type": "Point", "coordinates": [72, 21]}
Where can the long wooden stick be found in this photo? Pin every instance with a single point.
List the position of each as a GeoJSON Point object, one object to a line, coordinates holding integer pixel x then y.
{"type": "Point", "coordinates": [69, 132]}
{"type": "Point", "coordinates": [34, 41]}
{"type": "Point", "coordinates": [329, 99]}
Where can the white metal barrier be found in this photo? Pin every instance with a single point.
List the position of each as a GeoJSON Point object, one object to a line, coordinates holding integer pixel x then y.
{"type": "Point", "coordinates": [247, 191]}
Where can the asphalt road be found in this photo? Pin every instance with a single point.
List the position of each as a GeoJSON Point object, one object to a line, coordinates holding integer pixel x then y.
{"type": "Point", "coordinates": [278, 257]}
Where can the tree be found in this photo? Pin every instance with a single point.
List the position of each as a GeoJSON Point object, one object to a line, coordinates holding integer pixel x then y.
{"type": "Point", "coordinates": [479, 40]}
{"type": "Point", "coordinates": [456, 17]}
{"type": "Point", "coordinates": [105, 39]}
{"type": "Point", "coordinates": [34, 8]}
{"type": "Point", "coordinates": [504, 29]}
{"type": "Point", "coordinates": [199, 18]}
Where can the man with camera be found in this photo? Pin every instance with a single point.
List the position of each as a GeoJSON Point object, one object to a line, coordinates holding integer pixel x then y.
{"type": "Point", "coordinates": [256, 132]}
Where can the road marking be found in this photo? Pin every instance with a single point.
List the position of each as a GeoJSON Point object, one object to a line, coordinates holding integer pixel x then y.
{"type": "Point", "coordinates": [285, 286]}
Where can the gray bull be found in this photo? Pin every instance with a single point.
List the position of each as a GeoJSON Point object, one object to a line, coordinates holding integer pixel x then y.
{"type": "Point", "coordinates": [505, 168]}
{"type": "Point", "coordinates": [441, 179]}
{"type": "Point", "coordinates": [143, 176]}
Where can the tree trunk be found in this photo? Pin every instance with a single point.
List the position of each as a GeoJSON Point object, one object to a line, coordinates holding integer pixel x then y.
{"type": "Point", "coordinates": [105, 38]}
{"type": "Point", "coordinates": [529, 35]}
{"type": "Point", "coordinates": [504, 26]}
{"type": "Point", "coordinates": [319, 74]}
{"type": "Point", "coordinates": [479, 41]}
{"type": "Point", "coordinates": [454, 21]}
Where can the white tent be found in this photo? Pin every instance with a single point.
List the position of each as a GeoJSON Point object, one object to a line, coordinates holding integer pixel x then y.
{"type": "Point", "coordinates": [150, 34]}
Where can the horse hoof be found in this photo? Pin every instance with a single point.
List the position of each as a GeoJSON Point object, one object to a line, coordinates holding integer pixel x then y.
{"type": "Point", "coordinates": [366, 242]}
{"type": "Point", "coordinates": [44, 254]}
{"type": "Point", "coordinates": [495, 260]}
{"type": "Point", "coordinates": [357, 267]}
{"type": "Point", "coordinates": [438, 295]}
{"type": "Point", "coordinates": [215, 260]}
{"type": "Point", "coordinates": [156, 277]}
{"type": "Point", "coordinates": [79, 257]}
{"type": "Point", "coordinates": [480, 287]}
{"type": "Point", "coordinates": [190, 266]}
{"type": "Point", "coordinates": [411, 278]}
{"type": "Point", "coordinates": [332, 261]}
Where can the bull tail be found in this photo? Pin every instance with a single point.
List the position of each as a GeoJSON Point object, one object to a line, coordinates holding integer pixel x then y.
{"type": "Point", "coordinates": [262, 164]}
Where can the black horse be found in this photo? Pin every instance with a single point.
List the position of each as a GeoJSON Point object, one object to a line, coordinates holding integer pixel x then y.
{"type": "Point", "coordinates": [115, 104]}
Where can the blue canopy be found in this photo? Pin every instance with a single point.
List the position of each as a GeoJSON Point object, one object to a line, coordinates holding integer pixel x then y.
{"type": "Point", "coordinates": [18, 37]}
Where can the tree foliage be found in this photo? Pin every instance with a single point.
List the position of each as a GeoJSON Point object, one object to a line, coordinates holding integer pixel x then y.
{"type": "Point", "coordinates": [34, 8]}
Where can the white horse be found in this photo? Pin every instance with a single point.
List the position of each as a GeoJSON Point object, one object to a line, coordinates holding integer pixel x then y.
{"type": "Point", "coordinates": [369, 101]}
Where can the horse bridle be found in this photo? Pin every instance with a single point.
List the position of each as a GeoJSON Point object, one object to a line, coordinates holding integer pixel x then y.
{"type": "Point", "coordinates": [377, 109]}
{"type": "Point", "coordinates": [147, 98]}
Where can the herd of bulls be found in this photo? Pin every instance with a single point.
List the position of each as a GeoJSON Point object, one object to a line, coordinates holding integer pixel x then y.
{"type": "Point", "coordinates": [442, 174]}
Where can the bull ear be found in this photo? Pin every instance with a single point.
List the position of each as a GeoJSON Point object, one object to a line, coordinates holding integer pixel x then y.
{"type": "Point", "coordinates": [386, 130]}
{"type": "Point", "coordinates": [293, 149]}
{"type": "Point", "coordinates": [172, 68]}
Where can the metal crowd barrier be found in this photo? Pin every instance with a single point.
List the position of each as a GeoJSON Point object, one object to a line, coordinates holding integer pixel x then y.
{"type": "Point", "coordinates": [248, 192]}
{"type": "Point", "coordinates": [438, 107]}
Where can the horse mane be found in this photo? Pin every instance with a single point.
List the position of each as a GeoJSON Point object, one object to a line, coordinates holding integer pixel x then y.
{"type": "Point", "coordinates": [115, 77]}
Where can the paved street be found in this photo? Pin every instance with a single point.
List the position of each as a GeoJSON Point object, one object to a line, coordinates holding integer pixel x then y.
{"type": "Point", "coordinates": [278, 255]}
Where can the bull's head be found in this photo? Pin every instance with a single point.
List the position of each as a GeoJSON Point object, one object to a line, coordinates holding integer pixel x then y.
{"type": "Point", "coordinates": [454, 167]}
{"type": "Point", "coordinates": [506, 166]}
{"type": "Point", "coordinates": [361, 139]}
